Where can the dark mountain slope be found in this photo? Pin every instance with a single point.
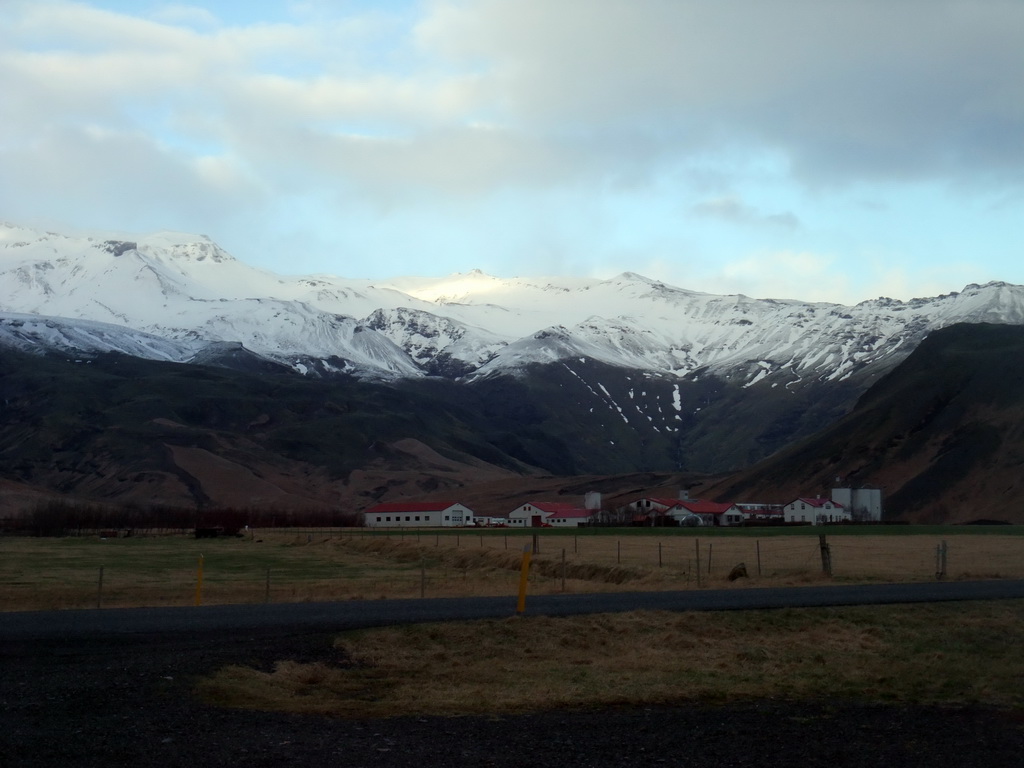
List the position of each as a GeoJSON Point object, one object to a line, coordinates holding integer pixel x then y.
{"type": "Point", "coordinates": [942, 434]}
{"type": "Point", "coordinates": [118, 428]}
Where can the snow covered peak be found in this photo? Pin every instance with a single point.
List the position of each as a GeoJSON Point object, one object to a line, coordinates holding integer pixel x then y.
{"type": "Point", "coordinates": [184, 287]}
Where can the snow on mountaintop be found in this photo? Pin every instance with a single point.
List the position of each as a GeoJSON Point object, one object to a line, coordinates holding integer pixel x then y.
{"type": "Point", "coordinates": [184, 288]}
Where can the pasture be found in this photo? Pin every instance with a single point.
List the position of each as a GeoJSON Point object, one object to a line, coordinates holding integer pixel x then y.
{"type": "Point", "coordinates": [282, 565]}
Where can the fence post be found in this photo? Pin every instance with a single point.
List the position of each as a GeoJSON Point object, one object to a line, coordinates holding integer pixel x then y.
{"type": "Point", "coordinates": [423, 578]}
{"type": "Point", "coordinates": [99, 591]}
{"type": "Point", "coordinates": [659, 554]}
{"type": "Point", "coordinates": [524, 572]}
{"type": "Point", "coordinates": [940, 561]}
{"type": "Point", "coordinates": [266, 588]}
{"type": "Point", "coordinates": [826, 555]}
{"type": "Point", "coordinates": [618, 553]}
{"type": "Point", "coordinates": [696, 543]}
{"type": "Point", "coordinates": [758, 542]}
{"type": "Point", "coordinates": [710, 548]}
{"type": "Point", "coordinates": [563, 569]}
{"type": "Point", "coordinates": [199, 582]}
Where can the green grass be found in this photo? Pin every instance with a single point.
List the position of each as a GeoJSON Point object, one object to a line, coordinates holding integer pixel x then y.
{"type": "Point", "coordinates": [711, 532]}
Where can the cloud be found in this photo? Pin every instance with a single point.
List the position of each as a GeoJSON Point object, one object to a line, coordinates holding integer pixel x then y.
{"type": "Point", "coordinates": [575, 92]}
{"type": "Point", "coordinates": [596, 112]}
{"type": "Point", "coordinates": [733, 210]}
{"type": "Point", "coordinates": [784, 275]}
{"type": "Point", "coordinates": [847, 90]}
{"type": "Point", "coordinates": [186, 15]}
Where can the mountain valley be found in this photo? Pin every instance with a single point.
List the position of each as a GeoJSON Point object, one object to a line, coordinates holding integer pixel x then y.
{"type": "Point", "coordinates": [160, 370]}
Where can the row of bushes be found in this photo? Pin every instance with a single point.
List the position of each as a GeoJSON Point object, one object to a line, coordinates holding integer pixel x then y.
{"type": "Point", "coordinates": [62, 518]}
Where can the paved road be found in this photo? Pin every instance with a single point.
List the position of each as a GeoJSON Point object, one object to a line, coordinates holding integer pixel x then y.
{"type": "Point", "coordinates": [338, 616]}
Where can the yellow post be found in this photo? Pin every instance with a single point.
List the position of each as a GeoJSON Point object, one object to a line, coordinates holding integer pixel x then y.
{"type": "Point", "coordinates": [199, 582]}
{"type": "Point", "coordinates": [524, 571]}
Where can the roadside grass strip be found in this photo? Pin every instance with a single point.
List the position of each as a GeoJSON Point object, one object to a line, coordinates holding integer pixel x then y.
{"type": "Point", "coordinates": [949, 655]}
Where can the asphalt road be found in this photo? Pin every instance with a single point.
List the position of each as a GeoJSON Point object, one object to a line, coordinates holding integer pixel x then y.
{"type": "Point", "coordinates": [111, 687]}
{"type": "Point", "coordinates": [353, 614]}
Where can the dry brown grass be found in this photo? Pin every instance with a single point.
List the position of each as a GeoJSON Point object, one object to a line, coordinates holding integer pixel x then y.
{"type": "Point", "coordinates": [960, 654]}
{"type": "Point", "coordinates": [39, 574]}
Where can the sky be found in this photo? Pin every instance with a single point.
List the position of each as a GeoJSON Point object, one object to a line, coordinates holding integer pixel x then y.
{"type": "Point", "coordinates": [827, 150]}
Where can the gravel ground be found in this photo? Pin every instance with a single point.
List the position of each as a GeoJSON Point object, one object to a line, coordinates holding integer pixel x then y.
{"type": "Point", "coordinates": [129, 702]}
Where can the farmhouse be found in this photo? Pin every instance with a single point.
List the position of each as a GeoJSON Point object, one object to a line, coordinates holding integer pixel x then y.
{"type": "Point", "coordinates": [650, 510]}
{"type": "Point", "coordinates": [570, 518]}
{"type": "Point", "coordinates": [535, 514]}
{"type": "Point", "coordinates": [708, 512]}
{"type": "Point", "coordinates": [445, 514]}
{"type": "Point", "coordinates": [816, 511]}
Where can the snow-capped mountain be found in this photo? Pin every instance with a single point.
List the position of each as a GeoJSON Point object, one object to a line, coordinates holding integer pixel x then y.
{"type": "Point", "coordinates": [168, 295]}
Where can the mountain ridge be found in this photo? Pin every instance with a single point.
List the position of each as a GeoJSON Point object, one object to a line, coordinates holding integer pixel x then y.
{"type": "Point", "coordinates": [466, 325]}
{"type": "Point", "coordinates": [533, 377]}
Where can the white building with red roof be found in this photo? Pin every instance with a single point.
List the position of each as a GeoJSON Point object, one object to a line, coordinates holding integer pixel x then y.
{"type": "Point", "coordinates": [418, 514]}
{"type": "Point", "coordinates": [650, 510]}
{"type": "Point", "coordinates": [816, 511]}
{"type": "Point", "coordinates": [537, 514]}
{"type": "Point", "coordinates": [709, 512]}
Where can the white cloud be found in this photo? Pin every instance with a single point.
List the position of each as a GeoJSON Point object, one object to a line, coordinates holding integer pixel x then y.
{"type": "Point", "coordinates": [784, 275]}
{"type": "Point", "coordinates": [186, 15]}
{"type": "Point", "coordinates": [734, 210]}
{"type": "Point", "coordinates": [561, 125]}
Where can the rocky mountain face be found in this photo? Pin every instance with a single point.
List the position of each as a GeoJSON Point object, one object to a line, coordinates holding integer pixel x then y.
{"type": "Point", "coordinates": [942, 435]}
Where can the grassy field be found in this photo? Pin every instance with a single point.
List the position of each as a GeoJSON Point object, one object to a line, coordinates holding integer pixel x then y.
{"type": "Point", "coordinates": [962, 655]}
{"type": "Point", "coordinates": [950, 654]}
{"type": "Point", "coordinates": [281, 565]}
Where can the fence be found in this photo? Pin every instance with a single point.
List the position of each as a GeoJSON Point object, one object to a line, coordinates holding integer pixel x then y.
{"type": "Point", "coordinates": [340, 564]}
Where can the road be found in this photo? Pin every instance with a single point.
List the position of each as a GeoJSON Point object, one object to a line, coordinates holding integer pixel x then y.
{"type": "Point", "coordinates": [93, 689]}
{"type": "Point", "coordinates": [355, 614]}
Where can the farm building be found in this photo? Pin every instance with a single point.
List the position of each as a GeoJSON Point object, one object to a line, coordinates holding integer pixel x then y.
{"type": "Point", "coordinates": [816, 511]}
{"type": "Point", "coordinates": [650, 510]}
{"type": "Point", "coordinates": [534, 514]}
{"type": "Point", "coordinates": [412, 514]}
{"type": "Point", "coordinates": [709, 512]}
{"type": "Point", "coordinates": [759, 513]}
{"type": "Point", "coordinates": [570, 518]}
{"type": "Point", "coordinates": [864, 504]}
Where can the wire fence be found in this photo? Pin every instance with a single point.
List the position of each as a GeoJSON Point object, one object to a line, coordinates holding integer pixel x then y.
{"type": "Point", "coordinates": [342, 564]}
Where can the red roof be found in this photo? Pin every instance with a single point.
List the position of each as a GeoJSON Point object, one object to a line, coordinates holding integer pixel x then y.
{"type": "Point", "coordinates": [661, 501]}
{"type": "Point", "coordinates": [818, 502]}
{"type": "Point", "coordinates": [572, 513]}
{"type": "Point", "coordinates": [411, 506]}
{"type": "Point", "coordinates": [550, 507]}
{"type": "Point", "coordinates": [698, 507]}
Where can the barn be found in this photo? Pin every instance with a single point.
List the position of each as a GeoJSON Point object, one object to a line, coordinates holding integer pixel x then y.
{"type": "Point", "coordinates": [418, 514]}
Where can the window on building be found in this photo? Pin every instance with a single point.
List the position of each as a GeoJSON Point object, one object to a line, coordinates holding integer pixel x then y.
{"type": "Point", "coordinates": [388, 519]}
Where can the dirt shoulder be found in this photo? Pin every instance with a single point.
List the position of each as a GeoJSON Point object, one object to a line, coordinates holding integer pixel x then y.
{"type": "Point", "coordinates": [131, 702]}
